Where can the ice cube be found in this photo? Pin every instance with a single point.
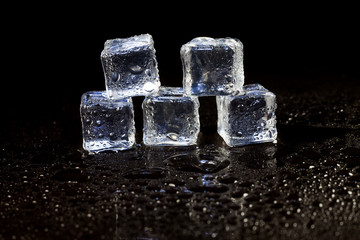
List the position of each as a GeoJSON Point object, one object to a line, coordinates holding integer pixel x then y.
{"type": "Point", "coordinates": [107, 124]}
{"type": "Point", "coordinates": [248, 117]}
{"type": "Point", "coordinates": [130, 66]}
{"type": "Point", "coordinates": [212, 67]}
{"type": "Point", "coordinates": [171, 118]}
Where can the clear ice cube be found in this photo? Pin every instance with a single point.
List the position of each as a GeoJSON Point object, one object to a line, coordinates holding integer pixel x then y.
{"type": "Point", "coordinates": [171, 118]}
{"type": "Point", "coordinates": [212, 67]}
{"type": "Point", "coordinates": [106, 124]}
{"type": "Point", "coordinates": [130, 66]}
{"type": "Point", "coordinates": [248, 117]}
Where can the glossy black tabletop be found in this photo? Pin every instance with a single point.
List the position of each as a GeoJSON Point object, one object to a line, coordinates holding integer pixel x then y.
{"type": "Point", "coordinates": [305, 186]}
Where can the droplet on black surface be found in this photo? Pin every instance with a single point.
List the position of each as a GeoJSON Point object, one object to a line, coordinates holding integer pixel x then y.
{"type": "Point", "coordinates": [175, 181]}
{"type": "Point", "coordinates": [343, 172]}
{"type": "Point", "coordinates": [245, 184]}
{"type": "Point", "coordinates": [171, 190]}
{"type": "Point", "coordinates": [144, 173]}
{"type": "Point", "coordinates": [238, 193]}
{"type": "Point", "coordinates": [227, 178]}
{"type": "Point", "coordinates": [252, 198]}
{"type": "Point", "coordinates": [310, 224]}
{"type": "Point", "coordinates": [199, 207]}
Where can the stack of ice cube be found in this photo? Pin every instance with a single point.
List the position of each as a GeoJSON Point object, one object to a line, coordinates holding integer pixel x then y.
{"type": "Point", "coordinates": [214, 67]}
{"type": "Point", "coordinates": [130, 69]}
{"type": "Point", "coordinates": [211, 67]}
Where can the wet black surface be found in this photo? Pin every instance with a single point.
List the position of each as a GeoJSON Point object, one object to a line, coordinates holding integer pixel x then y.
{"type": "Point", "coordinates": [304, 187]}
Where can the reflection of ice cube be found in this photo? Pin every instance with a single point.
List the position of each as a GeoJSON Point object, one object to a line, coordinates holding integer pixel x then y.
{"type": "Point", "coordinates": [212, 66]}
{"type": "Point", "coordinates": [130, 66]}
{"type": "Point", "coordinates": [256, 156]}
{"type": "Point", "coordinates": [107, 124]}
{"type": "Point", "coordinates": [170, 118]}
{"type": "Point", "coordinates": [248, 117]}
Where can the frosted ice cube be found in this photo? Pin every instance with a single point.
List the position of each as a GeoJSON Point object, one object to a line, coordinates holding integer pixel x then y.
{"type": "Point", "coordinates": [212, 67]}
{"type": "Point", "coordinates": [107, 124]}
{"type": "Point", "coordinates": [171, 118]}
{"type": "Point", "coordinates": [130, 66]}
{"type": "Point", "coordinates": [248, 117]}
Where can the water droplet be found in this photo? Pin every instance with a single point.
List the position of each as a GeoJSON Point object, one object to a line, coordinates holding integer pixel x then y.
{"type": "Point", "coordinates": [98, 122]}
{"type": "Point", "coordinates": [148, 72]}
{"type": "Point", "coordinates": [112, 136]}
{"type": "Point", "coordinates": [238, 193]}
{"type": "Point", "coordinates": [115, 77]}
{"type": "Point", "coordinates": [227, 178]}
{"type": "Point", "coordinates": [134, 68]}
{"type": "Point", "coordinates": [173, 136]}
{"type": "Point", "coordinates": [149, 87]}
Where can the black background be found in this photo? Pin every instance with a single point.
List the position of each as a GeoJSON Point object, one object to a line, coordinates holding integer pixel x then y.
{"type": "Point", "coordinates": [53, 53]}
